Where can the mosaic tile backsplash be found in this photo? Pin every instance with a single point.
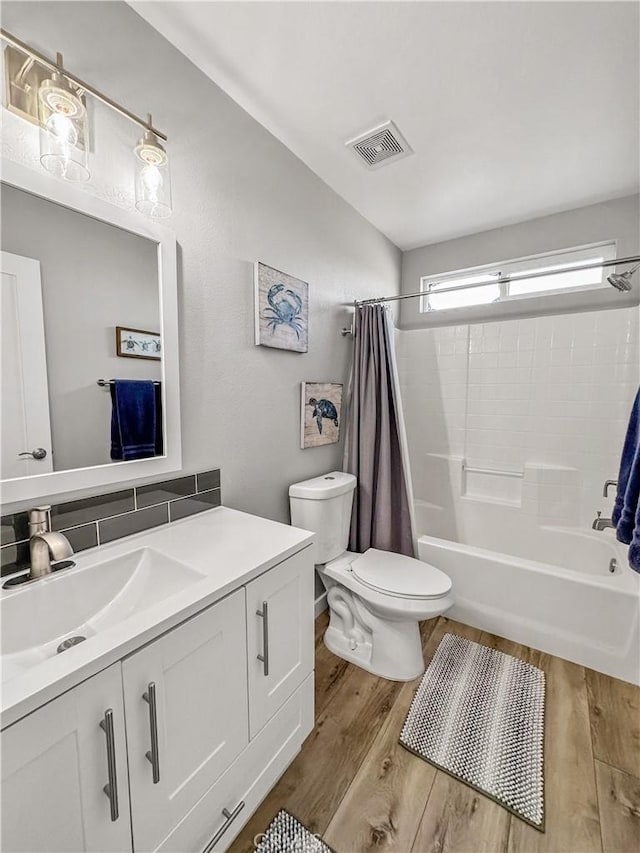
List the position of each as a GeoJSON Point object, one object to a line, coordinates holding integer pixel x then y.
{"type": "Point", "coordinates": [99, 519]}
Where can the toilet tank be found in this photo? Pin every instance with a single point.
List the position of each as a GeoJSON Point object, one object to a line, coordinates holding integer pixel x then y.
{"type": "Point", "coordinates": [323, 505]}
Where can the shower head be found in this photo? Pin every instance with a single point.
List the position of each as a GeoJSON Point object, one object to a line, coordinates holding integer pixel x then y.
{"type": "Point", "coordinates": [622, 281]}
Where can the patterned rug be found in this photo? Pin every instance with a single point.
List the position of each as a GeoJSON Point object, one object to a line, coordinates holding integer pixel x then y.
{"type": "Point", "coordinates": [285, 834]}
{"type": "Point", "coordinates": [478, 714]}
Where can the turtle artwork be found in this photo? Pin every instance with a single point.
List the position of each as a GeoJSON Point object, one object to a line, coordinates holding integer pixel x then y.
{"type": "Point", "coordinates": [323, 409]}
{"type": "Point", "coordinates": [138, 343]}
{"type": "Point", "coordinates": [321, 413]}
{"type": "Point", "coordinates": [282, 309]}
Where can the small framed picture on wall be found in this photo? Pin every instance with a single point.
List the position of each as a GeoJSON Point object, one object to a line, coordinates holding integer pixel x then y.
{"type": "Point", "coordinates": [136, 343]}
{"type": "Point", "coordinates": [321, 413]}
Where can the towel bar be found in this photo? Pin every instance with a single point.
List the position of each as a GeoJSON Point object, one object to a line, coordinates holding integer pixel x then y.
{"type": "Point", "coordinates": [104, 383]}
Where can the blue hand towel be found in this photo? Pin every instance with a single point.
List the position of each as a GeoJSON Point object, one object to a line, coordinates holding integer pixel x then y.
{"type": "Point", "coordinates": [133, 419]}
{"type": "Point", "coordinates": [626, 512]}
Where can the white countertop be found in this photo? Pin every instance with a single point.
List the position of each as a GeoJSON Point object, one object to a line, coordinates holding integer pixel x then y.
{"type": "Point", "coordinates": [229, 548]}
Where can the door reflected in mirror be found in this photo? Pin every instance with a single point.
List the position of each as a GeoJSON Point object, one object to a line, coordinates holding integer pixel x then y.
{"type": "Point", "coordinates": [79, 298]}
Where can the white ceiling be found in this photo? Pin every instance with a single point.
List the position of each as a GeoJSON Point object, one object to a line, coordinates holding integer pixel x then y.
{"type": "Point", "coordinates": [514, 109]}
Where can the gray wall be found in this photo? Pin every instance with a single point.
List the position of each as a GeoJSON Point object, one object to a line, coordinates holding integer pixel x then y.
{"type": "Point", "coordinates": [94, 277]}
{"type": "Point", "coordinates": [239, 196]}
{"type": "Point", "coordinates": [618, 219]}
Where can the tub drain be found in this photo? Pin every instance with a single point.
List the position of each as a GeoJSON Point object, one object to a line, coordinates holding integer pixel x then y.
{"type": "Point", "coordinates": [71, 641]}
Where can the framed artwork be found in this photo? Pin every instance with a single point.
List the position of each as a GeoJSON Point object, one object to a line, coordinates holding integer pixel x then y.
{"type": "Point", "coordinates": [281, 309]}
{"type": "Point", "coordinates": [136, 343]}
{"type": "Point", "coordinates": [321, 413]}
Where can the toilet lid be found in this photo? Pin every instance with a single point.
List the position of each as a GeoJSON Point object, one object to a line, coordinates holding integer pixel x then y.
{"type": "Point", "coordinates": [395, 574]}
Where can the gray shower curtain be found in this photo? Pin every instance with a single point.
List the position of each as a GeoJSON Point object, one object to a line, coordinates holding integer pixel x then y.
{"type": "Point", "coordinates": [373, 449]}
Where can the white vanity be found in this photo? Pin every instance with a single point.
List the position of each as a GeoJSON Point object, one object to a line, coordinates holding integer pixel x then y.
{"type": "Point", "coordinates": [152, 694]}
{"type": "Point", "coordinates": [191, 694]}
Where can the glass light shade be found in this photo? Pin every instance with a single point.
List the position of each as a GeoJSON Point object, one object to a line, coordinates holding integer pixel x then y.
{"type": "Point", "coordinates": [153, 178]}
{"type": "Point", "coordinates": [64, 131]}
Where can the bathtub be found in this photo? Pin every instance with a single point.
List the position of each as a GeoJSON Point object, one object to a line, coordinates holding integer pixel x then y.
{"type": "Point", "coordinates": [565, 591]}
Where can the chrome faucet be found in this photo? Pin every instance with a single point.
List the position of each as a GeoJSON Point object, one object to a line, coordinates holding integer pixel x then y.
{"type": "Point", "coordinates": [44, 544]}
{"type": "Point", "coordinates": [600, 523]}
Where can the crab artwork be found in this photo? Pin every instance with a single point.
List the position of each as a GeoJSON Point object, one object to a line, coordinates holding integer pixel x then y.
{"type": "Point", "coordinates": [281, 310]}
{"type": "Point", "coordinates": [323, 409]}
{"type": "Point", "coordinates": [285, 309]}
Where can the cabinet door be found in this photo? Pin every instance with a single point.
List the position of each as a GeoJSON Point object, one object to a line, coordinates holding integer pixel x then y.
{"type": "Point", "coordinates": [55, 765]}
{"type": "Point", "coordinates": [280, 635]}
{"type": "Point", "coordinates": [185, 698]}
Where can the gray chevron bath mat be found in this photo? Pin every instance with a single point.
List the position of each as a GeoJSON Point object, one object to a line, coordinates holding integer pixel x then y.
{"type": "Point", "coordinates": [478, 714]}
{"type": "Point", "coordinates": [285, 834]}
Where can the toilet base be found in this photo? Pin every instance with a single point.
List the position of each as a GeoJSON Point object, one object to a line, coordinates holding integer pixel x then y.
{"type": "Point", "coordinates": [398, 659]}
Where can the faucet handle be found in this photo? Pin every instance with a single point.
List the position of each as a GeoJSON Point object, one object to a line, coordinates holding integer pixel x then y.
{"type": "Point", "coordinates": [607, 484]}
{"type": "Point", "coordinates": [39, 519]}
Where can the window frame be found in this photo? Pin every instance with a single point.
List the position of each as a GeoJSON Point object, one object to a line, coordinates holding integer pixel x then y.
{"type": "Point", "coordinates": [607, 249]}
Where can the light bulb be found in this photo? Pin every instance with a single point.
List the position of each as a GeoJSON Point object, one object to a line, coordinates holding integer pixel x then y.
{"type": "Point", "coordinates": [152, 181]}
{"type": "Point", "coordinates": [64, 132]}
{"type": "Point", "coordinates": [62, 127]}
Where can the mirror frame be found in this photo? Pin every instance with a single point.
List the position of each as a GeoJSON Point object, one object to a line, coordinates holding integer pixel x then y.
{"type": "Point", "coordinates": [56, 483]}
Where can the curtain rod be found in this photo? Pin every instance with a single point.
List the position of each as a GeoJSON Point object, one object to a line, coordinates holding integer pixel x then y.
{"type": "Point", "coordinates": [23, 47]}
{"type": "Point", "coordinates": [502, 279]}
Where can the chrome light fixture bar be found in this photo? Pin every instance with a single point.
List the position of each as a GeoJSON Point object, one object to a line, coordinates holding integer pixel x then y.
{"type": "Point", "coordinates": [41, 59]}
{"type": "Point", "coordinates": [45, 93]}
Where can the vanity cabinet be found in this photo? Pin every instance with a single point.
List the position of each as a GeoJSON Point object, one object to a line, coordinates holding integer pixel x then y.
{"type": "Point", "coordinates": [185, 698]}
{"type": "Point", "coordinates": [281, 646]}
{"type": "Point", "coordinates": [173, 747]}
{"type": "Point", "coordinates": [55, 765]}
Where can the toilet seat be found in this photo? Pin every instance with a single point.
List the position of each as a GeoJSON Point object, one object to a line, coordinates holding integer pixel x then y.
{"type": "Point", "coordinates": [400, 576]}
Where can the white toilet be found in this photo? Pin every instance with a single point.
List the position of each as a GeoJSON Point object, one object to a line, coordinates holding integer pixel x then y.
{"type": "Point", "coordinates": [375, 599]}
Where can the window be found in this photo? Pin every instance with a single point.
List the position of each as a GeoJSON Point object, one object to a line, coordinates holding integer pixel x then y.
{"type": "Point", "coordinates": [471, 287]}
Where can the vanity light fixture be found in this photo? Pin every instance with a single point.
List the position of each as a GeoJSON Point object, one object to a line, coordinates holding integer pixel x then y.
{"type": "Point", "coordinates": [64, 134]}
{"type": "Point", "coordinates": [152, 176]}
{"type": "Point", "coordinates": [47, 94]}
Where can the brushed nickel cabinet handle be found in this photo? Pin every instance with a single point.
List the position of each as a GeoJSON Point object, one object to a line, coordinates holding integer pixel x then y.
{"type": "Point", "coordinates": [111, 789]}
{"type": "Point", "coordinates": [152, 755]}
{"type": "Point", "coordinates": [230, 817]}
{"type": "Point", "coordinates": [264, 657]}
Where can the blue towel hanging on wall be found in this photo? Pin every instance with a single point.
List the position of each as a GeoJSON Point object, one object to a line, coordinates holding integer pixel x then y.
{"type": "Point", "coordinates": [136, 419]}
{"type": "Point", "coordinates": [626, 512]}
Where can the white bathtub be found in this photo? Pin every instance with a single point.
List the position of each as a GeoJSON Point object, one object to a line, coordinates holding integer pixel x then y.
{"type": "Point", "coordinates": [550, 588]}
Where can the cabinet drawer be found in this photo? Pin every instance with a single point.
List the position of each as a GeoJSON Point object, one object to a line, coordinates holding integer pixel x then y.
{"type": "Point", "coordinates": [248, 780]}
{"type": "Point", "coordinates": [280, 635]}
{"type": "Point", "coordinates": [186, 713]}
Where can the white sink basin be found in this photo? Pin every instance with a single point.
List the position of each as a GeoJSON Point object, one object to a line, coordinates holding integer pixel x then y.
{"type": "Point", "coordinates": [83, 602]}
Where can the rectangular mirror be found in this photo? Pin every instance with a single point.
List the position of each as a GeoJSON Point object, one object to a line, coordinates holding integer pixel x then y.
{"type": "Point", "coordinates": [89, 341]}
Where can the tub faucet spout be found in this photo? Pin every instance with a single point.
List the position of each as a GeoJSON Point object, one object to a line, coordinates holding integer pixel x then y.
{"type": "Point", "coordinates": [600, 523]}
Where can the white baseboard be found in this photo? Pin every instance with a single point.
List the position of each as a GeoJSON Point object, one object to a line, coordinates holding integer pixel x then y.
{"type": "Point", "coordinates": [321, 604]}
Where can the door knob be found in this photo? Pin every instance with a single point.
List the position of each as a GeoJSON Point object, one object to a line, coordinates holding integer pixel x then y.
{"type": "Point", "coordinates": [38, 453]}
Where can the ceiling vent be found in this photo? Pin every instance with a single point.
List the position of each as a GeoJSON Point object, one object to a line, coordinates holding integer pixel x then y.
{"type": "Point", "coordinates": [380, 146]}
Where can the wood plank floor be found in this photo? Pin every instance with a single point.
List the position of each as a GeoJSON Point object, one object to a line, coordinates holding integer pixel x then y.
{"type": "Point", "coordinates": [362, 792]}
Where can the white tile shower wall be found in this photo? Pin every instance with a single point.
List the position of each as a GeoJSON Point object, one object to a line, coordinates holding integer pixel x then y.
{"type": "Point", "coordinates": [553, 392]}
